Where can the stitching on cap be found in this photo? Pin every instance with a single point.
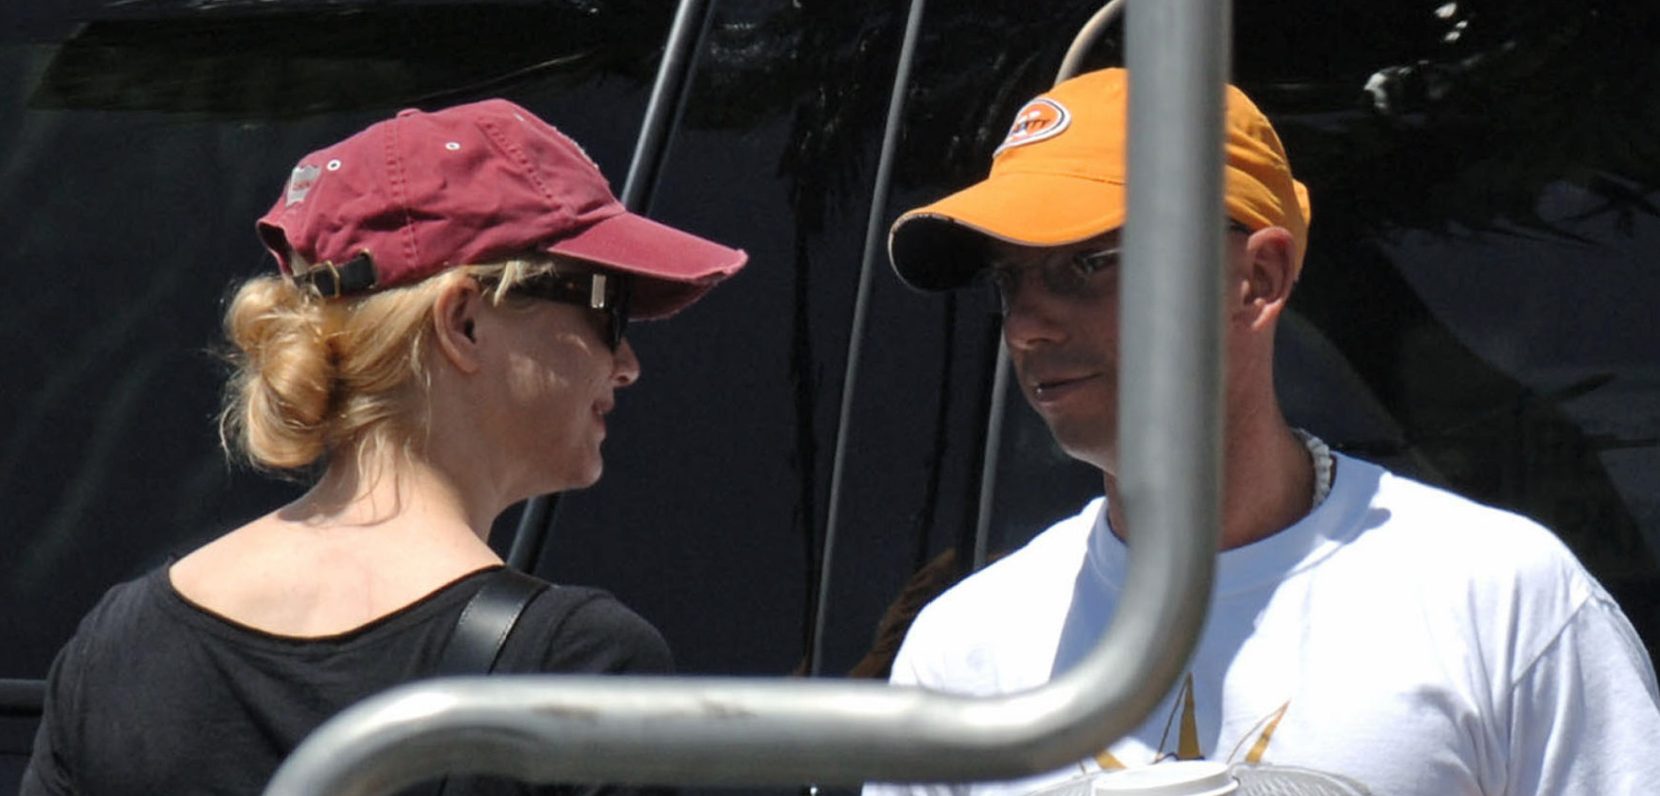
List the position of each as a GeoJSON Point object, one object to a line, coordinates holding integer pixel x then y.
{"type": "Point", "coordinates": [518, 155]}
{"type": "Point", "coordinates": [395, 180]}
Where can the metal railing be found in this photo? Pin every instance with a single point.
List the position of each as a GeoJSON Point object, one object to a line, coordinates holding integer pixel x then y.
{"type": "Point", "coordinates": [548, 728]}
{"type": "Point", "coordinates": [22, 698]}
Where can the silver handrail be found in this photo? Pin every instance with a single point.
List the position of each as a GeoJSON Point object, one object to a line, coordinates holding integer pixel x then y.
{"type": "Point", "coordinates": [1086, 38]}
{"type": "Point", "coordinates": [767, 732]}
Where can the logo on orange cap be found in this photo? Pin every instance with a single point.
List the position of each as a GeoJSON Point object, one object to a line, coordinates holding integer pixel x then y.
{"type": "Point", "coordinates": [1040, 119]}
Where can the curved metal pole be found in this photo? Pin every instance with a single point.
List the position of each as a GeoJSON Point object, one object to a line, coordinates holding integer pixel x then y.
{"type": "Point", "coordinates": [875, 235]}
{"type": "Point", "coordinates": [690, 19]}
{"type": "Point", "coordinates": [679, 58]}
{"type": "Point", "coordinates": [1086, 38]}
{"type": "Point", "coordinates": [758, 732]}
{"type": "Point", "coordinates": [1081, 44]}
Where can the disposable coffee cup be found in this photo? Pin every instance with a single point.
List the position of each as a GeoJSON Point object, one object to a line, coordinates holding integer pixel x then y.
{"type": "Point", "coordinates": [1178, 778]}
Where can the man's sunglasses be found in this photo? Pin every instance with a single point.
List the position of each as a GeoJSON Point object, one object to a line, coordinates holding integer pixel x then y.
{"type": "Point", "coordinates": [1070, 277]}
{"type": "Point", "coordinates": [606, 293]}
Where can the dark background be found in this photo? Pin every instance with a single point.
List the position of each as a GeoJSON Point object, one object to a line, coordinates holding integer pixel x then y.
{"type": "Point", "coordinates": [1476, 310]}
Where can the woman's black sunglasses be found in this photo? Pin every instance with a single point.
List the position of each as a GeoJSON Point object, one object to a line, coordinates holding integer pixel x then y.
{"type": "Point", "coordinates": [604, 292]}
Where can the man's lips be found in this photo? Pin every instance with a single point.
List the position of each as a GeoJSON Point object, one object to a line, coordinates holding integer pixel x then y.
{"type": "Point", "coordinates": [1054, 388]}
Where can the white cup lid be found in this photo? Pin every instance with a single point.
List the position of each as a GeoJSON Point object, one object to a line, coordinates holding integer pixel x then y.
{"type": "Point", "coordinates": [1177, 778]}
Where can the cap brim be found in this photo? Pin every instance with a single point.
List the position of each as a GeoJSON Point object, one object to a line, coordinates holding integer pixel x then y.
{"type": "Point", "coordinates": [675, 268]}
{"type": "Point", "coordinates": [942, 246]}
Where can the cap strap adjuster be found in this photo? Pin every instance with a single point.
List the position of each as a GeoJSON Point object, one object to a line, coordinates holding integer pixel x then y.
{"type": "Point", "coordinates": [328, 280]}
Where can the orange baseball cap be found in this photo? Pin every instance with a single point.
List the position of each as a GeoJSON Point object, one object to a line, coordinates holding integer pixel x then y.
{"type": "Point", "coordinates": [1058, 178]}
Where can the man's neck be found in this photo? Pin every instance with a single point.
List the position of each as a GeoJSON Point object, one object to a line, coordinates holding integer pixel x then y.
{"type": "Point", "coordinates": [1268, 485]}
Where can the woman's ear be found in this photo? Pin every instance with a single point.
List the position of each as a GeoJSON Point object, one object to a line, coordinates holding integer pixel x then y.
{"type": "Point", "coordinates": [455, 330]}
{"type": "Point", "coordinates": [1266, 275]}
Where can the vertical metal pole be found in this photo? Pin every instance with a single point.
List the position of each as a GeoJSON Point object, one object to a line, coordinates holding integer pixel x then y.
{"type": "Point", "coordinates": [992, 452]}
{"type": "Point", "coordinates": [673, 74]}
{"type": "Point", "coordinates": [650, 149]}
{"type": "Point", "coordinates": [1170, 390]}
{"type": "Point", "coordinates": [1081, 43]}
{"type": "Point", "coordinates": [875, 235]}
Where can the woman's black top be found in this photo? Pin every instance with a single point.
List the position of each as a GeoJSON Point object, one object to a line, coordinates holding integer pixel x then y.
{"type": "Point", "coordinates": [155, 694]}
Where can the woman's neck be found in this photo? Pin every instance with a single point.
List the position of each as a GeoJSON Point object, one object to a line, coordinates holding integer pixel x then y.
{"type": "Point", "coordinates": [391, 487]}
{"type": "Point", "coordinates": [362, 543]}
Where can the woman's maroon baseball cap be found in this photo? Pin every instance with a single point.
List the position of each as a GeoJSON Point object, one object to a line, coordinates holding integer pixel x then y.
{"type": "Point", "coordinates": [423, 192]}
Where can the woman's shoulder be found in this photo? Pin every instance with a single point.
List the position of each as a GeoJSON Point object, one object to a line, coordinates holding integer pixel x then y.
{"type": "Point", "coordinates": [130, 616]}
{"type": "Point", "coordinates": [584, 630]}
{"type": "Point", "coordinates": [134, 606]}
{"type": "Point", "coordinates": [294, 578]}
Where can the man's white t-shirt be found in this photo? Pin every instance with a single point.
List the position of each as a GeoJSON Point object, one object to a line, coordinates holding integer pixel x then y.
{"type": "Point", "coordinates": [1400, 636]}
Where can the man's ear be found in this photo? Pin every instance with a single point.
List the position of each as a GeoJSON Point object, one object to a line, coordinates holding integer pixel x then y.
{"type": "Point", "coordinates": [454, 320]}
{"type": "Point", "coordinates": [1266, 275]}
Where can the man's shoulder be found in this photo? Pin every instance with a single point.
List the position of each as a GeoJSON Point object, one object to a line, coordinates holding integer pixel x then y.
{"type": "Point", "coordinates": [1462, 544]}
{"type": "Point", "coordinates": [1045, 562]}
{"type": "Point", "coordinates": [1422, 513]}
{"type": "Point", "coordinates": [986, 632]}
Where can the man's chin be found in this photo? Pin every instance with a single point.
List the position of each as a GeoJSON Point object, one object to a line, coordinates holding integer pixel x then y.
{"type": "Point", "coordinates": [1091, 449]}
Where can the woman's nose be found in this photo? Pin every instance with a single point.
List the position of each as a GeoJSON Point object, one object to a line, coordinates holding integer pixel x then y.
{"type": "Point", "coordinates": [625, 367]}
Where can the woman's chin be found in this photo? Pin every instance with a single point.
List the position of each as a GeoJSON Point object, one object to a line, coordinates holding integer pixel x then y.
{"type": "Point", "coordinates": [590, 480]}
{"type": "Point", "coordinates": [587, 476]}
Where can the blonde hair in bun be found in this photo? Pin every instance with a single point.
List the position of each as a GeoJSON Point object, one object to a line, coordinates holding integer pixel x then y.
{"type": "Point", "coordinates": [313, 377]}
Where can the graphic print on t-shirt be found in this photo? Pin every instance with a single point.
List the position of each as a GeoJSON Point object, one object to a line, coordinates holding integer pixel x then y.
{"type": "Point", "coordinates": [1184, 717]}
{"type": "Point", "coordinates": [1187, 746]}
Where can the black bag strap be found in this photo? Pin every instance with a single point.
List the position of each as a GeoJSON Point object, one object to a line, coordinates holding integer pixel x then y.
{"type": "Point", "coordinates": [483, 628]}
{"type": "Point", "coordinates": [487, 621]}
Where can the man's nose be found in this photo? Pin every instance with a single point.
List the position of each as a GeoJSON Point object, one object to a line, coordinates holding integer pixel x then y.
{"type": "Point", "coordinates": [1032, 317]}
